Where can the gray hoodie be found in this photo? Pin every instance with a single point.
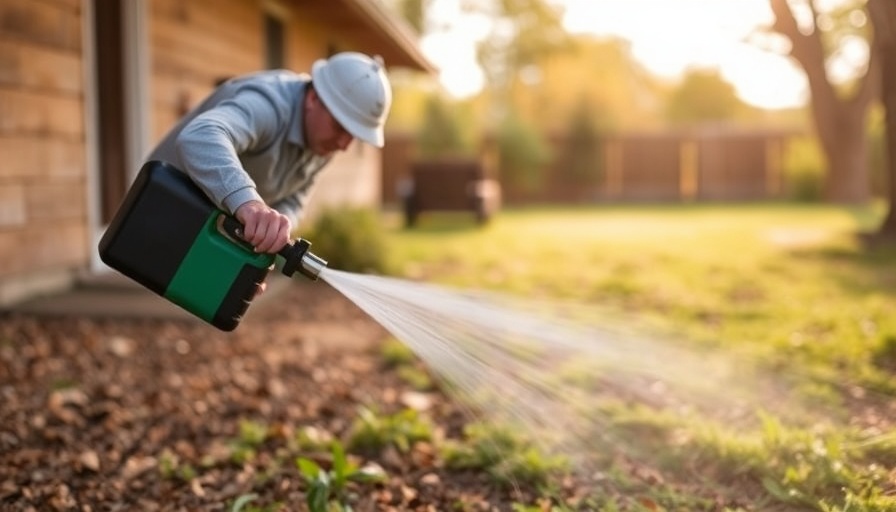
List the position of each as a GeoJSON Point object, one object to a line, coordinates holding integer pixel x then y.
{"type": "Point", "coordinates": [245, 142]}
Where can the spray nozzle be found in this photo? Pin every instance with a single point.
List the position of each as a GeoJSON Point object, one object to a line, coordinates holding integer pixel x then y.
{"type": "Point", "coordinates": [295, 254]}
{"type": "Point", "coordinates": [297, 257]}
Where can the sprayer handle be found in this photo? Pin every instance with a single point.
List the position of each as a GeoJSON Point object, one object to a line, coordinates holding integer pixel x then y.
{"type": "Point", "coordinates": [293, 253]}
{"type": "Point", "coordinates": [234, 229]}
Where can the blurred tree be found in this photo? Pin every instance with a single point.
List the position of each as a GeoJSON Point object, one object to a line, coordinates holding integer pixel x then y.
{"type": "Point", "coordinates": [523, 33]}
{"type": "Point", "coordinates": [441, 134]}
{"type": "Point", "coordinates": [883, 17]}
{"type": "Point", "coordinates": [599, 73]}
{"type": "Point", "coordinates": [839, 113]}
{"type": "Point", "coordinates": [410, 92]}
{"type": "Point", "coordinates": [703, 95]}
{"type": "Point", "coordinates": [583, 143]}
{"type": "Point", "coordinates": [522, 153]}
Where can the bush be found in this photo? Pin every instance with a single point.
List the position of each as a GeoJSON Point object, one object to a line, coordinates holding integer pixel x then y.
{"type": "Point", "coordinates": [804, 170]}
{"type": "Point", "coordinates": [350, 239]}
{"type": "Point", "coordinates": [523, 152]}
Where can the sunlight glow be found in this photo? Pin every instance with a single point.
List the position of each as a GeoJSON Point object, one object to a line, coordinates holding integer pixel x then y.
{"type": "Point", "coordinates": [667, 37]}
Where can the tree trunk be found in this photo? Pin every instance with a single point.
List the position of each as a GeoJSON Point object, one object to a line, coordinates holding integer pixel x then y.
{"type": "Point", "coordinates": [844, 141]}
{"type": "Point", "coordinates": [883, 17]}
{"type": "Point", "coordinates": [839, 122]}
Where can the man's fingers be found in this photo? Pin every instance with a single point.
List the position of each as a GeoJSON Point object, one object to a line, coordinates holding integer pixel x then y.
{"type": "Point", "coordinates": [266, 229]}
{"type": "Point", "coordinates": [271, 234]}
{"type": "Point", "coordinates": [260, 234]}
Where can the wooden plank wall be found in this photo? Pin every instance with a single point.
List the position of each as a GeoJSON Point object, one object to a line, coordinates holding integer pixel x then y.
{"type": "Point", "coordinates": [43, 177]}
{"type": "Point", "coordinates": [193, 45]}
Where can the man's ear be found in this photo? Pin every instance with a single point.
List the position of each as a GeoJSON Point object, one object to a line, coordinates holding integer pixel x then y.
{"type": "Point", "coordinates": [312, 95]}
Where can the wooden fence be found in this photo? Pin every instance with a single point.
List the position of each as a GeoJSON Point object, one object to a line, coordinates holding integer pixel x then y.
{"type": "Point", "coordinates": [705, 165]}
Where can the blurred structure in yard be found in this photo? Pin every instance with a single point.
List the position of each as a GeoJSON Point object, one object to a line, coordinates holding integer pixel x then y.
{"type": "Point", "coordinates": [450, 185]}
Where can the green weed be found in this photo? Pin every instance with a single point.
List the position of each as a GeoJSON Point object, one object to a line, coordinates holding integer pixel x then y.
{"type": "Point", "coordinates": [505, 454]}
{"type": "Point", "coordinates": [396, 353]}
{"type": "Point", "coordinates": [244, 504]}
{"type": "Point", "coordinates": [170, 467]}
{"type": "Point", "coordinates": [372, 432]}
{"type": "Point", "coordinates": [251, 435]}
{"type": "Point", "coordinates": [328, 489]}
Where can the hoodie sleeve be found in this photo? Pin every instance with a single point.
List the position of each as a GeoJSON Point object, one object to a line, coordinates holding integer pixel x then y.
{"type": "Point", "coordinates": [209, 145]}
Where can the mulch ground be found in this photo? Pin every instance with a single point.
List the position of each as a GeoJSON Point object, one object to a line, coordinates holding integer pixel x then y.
{"type": "Point", "coordinates": [107, 415]}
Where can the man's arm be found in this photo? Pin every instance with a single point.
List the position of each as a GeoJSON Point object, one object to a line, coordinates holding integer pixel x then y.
{"type": "Point", "coordinates": [208, 148]}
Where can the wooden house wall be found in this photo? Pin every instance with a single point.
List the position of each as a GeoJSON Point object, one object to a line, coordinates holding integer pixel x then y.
{"type": "Point", "coordinates": [194, 44]}
{"type": "Point", "coordinates": [43, 175]}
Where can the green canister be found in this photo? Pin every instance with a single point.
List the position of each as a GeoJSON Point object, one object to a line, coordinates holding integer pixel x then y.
{"type": "Point", "coordinates": [169, 237]}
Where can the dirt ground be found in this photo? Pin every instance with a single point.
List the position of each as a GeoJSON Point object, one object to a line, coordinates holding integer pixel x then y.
{"type": "Point", "coordinates": [143, 414]}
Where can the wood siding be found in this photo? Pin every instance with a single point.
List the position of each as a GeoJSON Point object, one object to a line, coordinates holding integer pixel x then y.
{"type": "Point", "coordinates": [43, 178]}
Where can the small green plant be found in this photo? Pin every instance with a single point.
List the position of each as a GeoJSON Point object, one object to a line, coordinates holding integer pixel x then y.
{"type": "Point", "coordinates": [415, 377]}
{"type": "Point", "coordinates": [402, 430]}
{"type": "Point", "coordinates": [170, 467]}
{"type": "Point", "coordinates": [242, 501]}
{"type": "Point", "coordinates": [311, 438]}
{"type": "Point", "coordinates": [243, 504]}
{"type": "Point", "coordinates": [327, 489]}
{"type": "Point", "coordinates": [251, 435]}
{"type": "Point", "coordinates": [505, 454]}
{"type": "Point", "coordinates": [396, 353]}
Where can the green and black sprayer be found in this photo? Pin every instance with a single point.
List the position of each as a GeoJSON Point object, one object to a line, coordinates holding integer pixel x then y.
{"type": "Point", "coordinates": [169, 237]}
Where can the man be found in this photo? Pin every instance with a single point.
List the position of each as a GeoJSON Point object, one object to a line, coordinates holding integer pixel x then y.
{"type": "Point", "coordinates": [257, 143]}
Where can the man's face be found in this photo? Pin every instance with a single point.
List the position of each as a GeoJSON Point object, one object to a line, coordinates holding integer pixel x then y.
{"type": "Point", "coordinates": [323, 133]}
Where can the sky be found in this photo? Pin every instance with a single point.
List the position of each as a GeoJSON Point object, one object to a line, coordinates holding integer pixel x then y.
{"type": "Point", "coordinates": [667, 37]}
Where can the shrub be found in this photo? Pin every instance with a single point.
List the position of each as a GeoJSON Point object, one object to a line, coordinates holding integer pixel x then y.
{"type": "Point", "coordinates": [350, 239]}
{"type": "Point", "coordinates": [522, 153]}
{"type": "Point", "coordinates": [804, 170]}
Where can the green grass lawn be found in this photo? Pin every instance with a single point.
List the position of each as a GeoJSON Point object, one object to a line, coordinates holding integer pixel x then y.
{"type": "Point", "coordinates": [788, 291]}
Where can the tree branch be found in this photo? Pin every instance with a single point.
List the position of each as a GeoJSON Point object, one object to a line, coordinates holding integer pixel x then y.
{"type": "Point", "coordinates": [785, 22]}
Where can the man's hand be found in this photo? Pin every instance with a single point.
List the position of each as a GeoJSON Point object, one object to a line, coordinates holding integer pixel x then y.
{"type": "Point", "coordinates": [264, 227]}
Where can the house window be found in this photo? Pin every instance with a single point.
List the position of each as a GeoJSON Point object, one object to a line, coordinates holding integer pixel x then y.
{"type": "Point", "coordinates": [274, 42]}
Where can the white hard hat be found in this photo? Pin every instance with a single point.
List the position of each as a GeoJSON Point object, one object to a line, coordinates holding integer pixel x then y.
{"type": "Point", "coordinates": [354, 88]}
